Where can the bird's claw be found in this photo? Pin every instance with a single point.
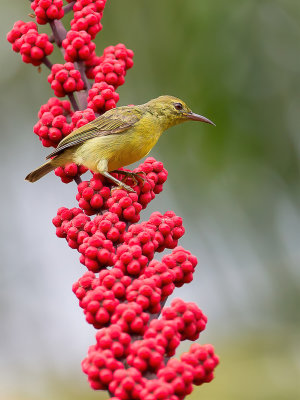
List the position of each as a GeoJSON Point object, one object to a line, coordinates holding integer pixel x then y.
{"type": "Point", "coordinates": [133, 175]}
{"type": "Point", "coordinates": [123, 186]}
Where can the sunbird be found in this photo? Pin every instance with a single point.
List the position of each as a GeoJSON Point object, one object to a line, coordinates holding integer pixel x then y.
{"type": "Point", "coordinates": [119, 137]}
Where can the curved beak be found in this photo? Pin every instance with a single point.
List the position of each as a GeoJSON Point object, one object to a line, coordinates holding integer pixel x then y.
{"type": "Point", "coordinates": [197, 117]}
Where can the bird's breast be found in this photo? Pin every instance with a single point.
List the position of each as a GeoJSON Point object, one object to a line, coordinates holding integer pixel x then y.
{"type": "Point", "coordinates": [120, 149]}
{"type": "Point", "coordinates": [135, 144]}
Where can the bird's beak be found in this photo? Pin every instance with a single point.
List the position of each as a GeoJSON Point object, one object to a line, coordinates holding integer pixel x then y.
{"type": "Point", "coordinates": [197, 117]}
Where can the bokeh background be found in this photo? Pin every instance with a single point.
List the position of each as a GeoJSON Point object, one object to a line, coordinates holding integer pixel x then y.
{"type": "Point", "coordinates": [236, 187]}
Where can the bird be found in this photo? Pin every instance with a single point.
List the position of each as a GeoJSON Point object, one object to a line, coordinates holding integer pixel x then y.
{"type": "Point", "coordinates": [117, 138]}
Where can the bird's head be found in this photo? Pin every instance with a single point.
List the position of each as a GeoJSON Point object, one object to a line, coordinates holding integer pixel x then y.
{"type": "Point", "coordinates": [172, 111]}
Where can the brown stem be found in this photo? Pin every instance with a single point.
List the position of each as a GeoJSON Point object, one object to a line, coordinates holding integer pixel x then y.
{"type": "Point", "coordinates": [73, 101]}
{"type": "Point", "coordinates": [59, 31]}
{"type": "Point", "coordinates": [51, 39]}
{"type": "Point", "coordinates": [82, 99]}
{"type": "Point", "coordinates": [68, 7]}
{"type": "Point", "coordinates": [47, 62]}
{"type": "Point", "coordinates": [77, 179]}
{"type": "Point", "coordinates": [162, 304]}
{"type": "Point", "coordinates": [81, 68]}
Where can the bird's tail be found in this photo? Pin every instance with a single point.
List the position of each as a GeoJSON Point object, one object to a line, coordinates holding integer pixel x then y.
{"type": "Point", "coordinates": [40, 172]}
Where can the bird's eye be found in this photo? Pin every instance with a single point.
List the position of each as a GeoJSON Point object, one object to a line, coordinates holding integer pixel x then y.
{"type": "Point", "coordinates": [178, 106]}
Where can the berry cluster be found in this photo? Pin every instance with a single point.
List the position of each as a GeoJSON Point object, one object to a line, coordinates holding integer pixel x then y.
{"type": "Point", "coordinates": [116, 281]}
{"type": "Point", "coordinates": [111, 67]}
{"type": "Point", "coordinates": [203, 360]}
{"type": "Point", "coordinates": [168, 229]}
{"type": "Point", "coordinates": [110, 225]}
{"type": "Point", "coordinates": [97, 194]}
{"type": "Point", "coordinates": [179, 375]}
{"type": "Point", "coordinates": [88, 20]}
{"type": "Point", "coordinates": [130, 260]}
{"type": "Point", "coordinates": [100, 366]}
{"type": "Point", "coordinates": [93, 5]}
{"type": "Point", "coordinates": [99, 305]}
{"type": "Point", "coordinates": [124, 288]}
{"type": "Point", "coordinates": [26, 40]}
{"type": "Point", "coordinates": [92, 195]}
{"type": "Point", "coordinates": [80, 118]}
{"type": "Point", "coordinates": [47, 10]}
{"type": "Point", "coordinates": [127, 384]}
{"type": "Point", "coordinates": [19, 29]}
{"type": "Point", "coordinates": [131, 317]}
{"type": "Point", "coordinates": [156, 389]}
{"type": "Point", "coordinates": [157, 234]}
{"type": "Point", "coordinates": [65, 79]}
{"type": "Point", "coordinates": [125, 205]}
{"type": "Point", "coordinates": [182, 263]}
{"type": "Point", "coordinates": [145, 292]}
{"type": "Point", "coordinates": [83, 285]}
{"type": "Point", "coordinates": [70, 225]}
{"type": "Point", "coordinates": [115, 339]}
{"type": "Point", "coordinates": [146, 355]}
{"type": "Point", "coordinates": [53, 124]}
{"type": "Point", "coordinates": [166, 335]}
{"type": "Point", "coordinates": [102, 97]}
{"type": "Point", "coordinates": [97, 252]}
{"type": "Point", "coordinates": [78, 46]}
{"type": "Point", "coordinates": [69, 172]}
{"type": "Point", "coordinates": [188, 317]}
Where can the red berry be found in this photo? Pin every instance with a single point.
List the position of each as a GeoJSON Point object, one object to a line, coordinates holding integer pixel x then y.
{"type": "Point", "coordinates": [65, 79]}
{"type": "Point", "coordinates": [78, 46]}
{"type": "Point", "coordinates": [47, 10]}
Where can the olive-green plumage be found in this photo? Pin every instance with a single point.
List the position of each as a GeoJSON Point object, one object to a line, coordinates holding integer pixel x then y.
{"type": "Point", "coordinates": [117, 138]}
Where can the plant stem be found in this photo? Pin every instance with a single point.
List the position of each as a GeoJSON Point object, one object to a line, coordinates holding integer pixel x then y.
{"type": "Point", "coordinates": [82, 99]}
{"type": "Point", "coordinates": [68, 7]}
{"type": "Point", "coordinates": [59, 31]}
{"type": "Point", "coordinates": [77, 179]}
{"type": "Point", "coordinates": [47, 62]}
{"type": "Point", "coordinates": [73, 101]}
{"type": "Point", "coordinates": [81, 68]}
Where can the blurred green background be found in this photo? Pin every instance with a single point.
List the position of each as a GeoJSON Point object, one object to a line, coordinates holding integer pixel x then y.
{"type": "Point", "coordinates": [236, 187]}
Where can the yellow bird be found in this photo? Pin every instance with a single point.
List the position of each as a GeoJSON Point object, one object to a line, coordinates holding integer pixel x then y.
{"type": "Point", "coordinates": [117, 138]}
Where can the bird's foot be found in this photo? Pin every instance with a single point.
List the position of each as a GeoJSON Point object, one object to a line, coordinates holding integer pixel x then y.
{"type": "Point", "coordinates": [122, 185]}
{"type": "Point", "coordinates": [133, 175]}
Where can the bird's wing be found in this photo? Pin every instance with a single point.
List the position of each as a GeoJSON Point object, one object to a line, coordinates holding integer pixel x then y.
{"type": "Point", "coordinates": [112, 122]}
